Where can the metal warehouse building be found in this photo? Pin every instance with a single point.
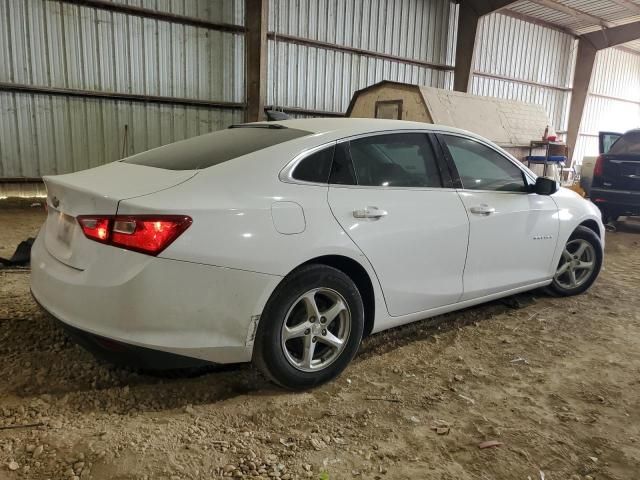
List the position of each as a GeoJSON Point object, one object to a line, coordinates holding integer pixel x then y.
{"type": "Point", "coordinates": [85, 82]}
{"type": "Point", "coordinates": [319, 239]}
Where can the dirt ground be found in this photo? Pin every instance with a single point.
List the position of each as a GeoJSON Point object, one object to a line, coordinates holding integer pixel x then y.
{"type": "Point", "coordinates": [556, 381]}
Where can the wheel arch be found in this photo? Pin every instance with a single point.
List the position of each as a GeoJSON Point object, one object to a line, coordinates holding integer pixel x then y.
{"type": "Point", "coordinates": [590, 228]}
{"type": "Point", "coordinates": [591, 225]}
{"type": "Point", "coordinates": [356, 272]}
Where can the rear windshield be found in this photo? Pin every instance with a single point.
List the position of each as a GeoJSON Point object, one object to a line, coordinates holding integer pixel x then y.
{"type": "Point", "coordinates": [627, 143]}
{"type": "Point", "coordinates": [217, 147]}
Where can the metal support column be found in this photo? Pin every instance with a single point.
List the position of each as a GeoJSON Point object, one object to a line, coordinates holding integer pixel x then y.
{"type": "Point", "coordinates": [255, 45]}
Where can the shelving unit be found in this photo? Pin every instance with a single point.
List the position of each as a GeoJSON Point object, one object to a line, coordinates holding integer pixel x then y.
{"type": "Point", "coordinates": [555, 155]}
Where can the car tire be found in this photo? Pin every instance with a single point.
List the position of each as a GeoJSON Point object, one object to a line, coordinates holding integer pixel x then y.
{"type": "Point", "coordinates": [572, 276]}
{"type": "Point", "coordinates": [299, 349]}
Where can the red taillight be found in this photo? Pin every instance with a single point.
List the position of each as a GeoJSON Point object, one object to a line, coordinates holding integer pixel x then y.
{"type": "Point", "coordinates": [149, 234]}
{"type": "Point", "coordinates": [597, 168]}
{"type": "Point", "coordinates": [95, 228]}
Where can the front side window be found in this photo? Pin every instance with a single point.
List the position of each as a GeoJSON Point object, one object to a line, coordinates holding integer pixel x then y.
{"type": "Point", "coordinates": [482, 168]}
{"type": "Point", "coordinates": [395, 160]}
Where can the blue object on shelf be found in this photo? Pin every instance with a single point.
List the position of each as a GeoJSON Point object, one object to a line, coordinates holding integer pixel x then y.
{"type": "Point", "coordinates": [542, 158]}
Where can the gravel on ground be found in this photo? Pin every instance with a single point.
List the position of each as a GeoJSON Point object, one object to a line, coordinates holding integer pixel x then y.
{"type": "Point", "coordinates": [549, 389]}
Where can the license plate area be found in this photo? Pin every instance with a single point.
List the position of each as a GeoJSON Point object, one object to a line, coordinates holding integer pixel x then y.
{"type": "Point", "coordinates": [66, 226]}
{"type": "Point", "coordinates": [61, 229]}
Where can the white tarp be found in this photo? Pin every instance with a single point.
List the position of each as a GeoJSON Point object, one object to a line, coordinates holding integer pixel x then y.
{"type": "Point", "coordinates": [508, 123]}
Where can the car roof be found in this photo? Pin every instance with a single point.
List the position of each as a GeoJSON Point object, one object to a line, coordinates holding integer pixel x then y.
{"type": "Point", "coordinates": [355, 126]}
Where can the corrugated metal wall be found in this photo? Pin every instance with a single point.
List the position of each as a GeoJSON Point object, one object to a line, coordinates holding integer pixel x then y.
{"type": "Point", "coordinates": [225, 11]}
{"type": "Point", "coordinates": [319, 78]}
{"type": "Point", "coordinates": [56, 44]}
{"type": "Point", "coordinates": [47, 43]}
{"type": "Point", "coordinates": [614, 100]}
{"type": "Point", "coordinates": [527, 54]}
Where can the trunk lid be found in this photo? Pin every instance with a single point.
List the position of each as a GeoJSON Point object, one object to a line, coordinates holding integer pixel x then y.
{"type": "Point", "coordinates": [95, 191]}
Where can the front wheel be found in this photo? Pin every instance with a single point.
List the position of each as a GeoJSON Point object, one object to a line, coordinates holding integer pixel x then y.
{"type": "Point", "coordinates": [579, 264]}
{"type": "Point", "coordinates": [311, 328]}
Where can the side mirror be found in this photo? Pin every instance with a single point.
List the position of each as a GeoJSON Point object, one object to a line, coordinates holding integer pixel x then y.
{"type": "Point", "coordinates": [545, 186]}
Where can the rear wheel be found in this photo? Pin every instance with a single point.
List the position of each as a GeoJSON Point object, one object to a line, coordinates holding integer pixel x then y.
{"type": "Point", "coordinates": [310, 329]}
{"type": "Point", "coordinates": [579, 263]}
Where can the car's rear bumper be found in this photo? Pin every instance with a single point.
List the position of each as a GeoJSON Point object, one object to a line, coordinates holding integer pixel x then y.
{"type": "Point", "coordinates": [620, 202]}
{"type": "Point", "coordinates": [182, 308]}
{"type": "Point", "coordinates": [125, 354]}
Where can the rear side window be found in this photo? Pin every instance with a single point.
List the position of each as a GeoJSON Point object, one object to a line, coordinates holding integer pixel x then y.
{"type": "Point", "coordinates": [627, 143]}
{"type": "Point", "coordinates": [316, 167]}
{"type": "Point", "coordinates": [395, 160]}
{"type": "Point", "coordinates": [217, 147]}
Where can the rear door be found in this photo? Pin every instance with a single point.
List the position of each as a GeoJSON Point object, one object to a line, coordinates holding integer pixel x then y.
{"type": "Point", "coordinates": [391, 197]}
{"type": "Point", "coordinates": [513, 233]}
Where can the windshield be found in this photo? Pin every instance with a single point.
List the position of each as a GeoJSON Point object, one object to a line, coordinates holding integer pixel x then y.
{"type": "Point", "coordinates": [627, 143]}
{"type": "Point", "coordinates": [217, 147]}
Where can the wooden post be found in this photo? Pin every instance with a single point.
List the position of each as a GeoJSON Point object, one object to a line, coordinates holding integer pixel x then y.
{"type": "Point", "coordinates": [256, 20]}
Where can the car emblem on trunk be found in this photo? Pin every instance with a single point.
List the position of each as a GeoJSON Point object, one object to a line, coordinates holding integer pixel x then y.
{"type": "Point", "coordinates": [55, 202]}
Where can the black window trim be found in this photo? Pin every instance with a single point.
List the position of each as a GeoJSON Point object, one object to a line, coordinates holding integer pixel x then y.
{"type": "Point", "coordinates": [443, 158]}
{"type": "Point", "coordinates": [454, 171]}
{"type": "Point", "coordinates": [445, 181]}
{"type": "Point", "coordinates": [286, 174]}
{"type": "Point", "coordinates": [347, 150]}
{"type": "Point", "coordinates": [446, 176]}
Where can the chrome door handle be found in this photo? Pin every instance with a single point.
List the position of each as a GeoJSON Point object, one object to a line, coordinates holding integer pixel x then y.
{"type": "Point", "coordinates": [370, 212]}
{"type": "Point", "coordinates": [482, 210]}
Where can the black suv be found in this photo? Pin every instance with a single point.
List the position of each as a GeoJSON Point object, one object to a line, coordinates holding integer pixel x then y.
{"type": "Point", "coordinates": [615, 188]}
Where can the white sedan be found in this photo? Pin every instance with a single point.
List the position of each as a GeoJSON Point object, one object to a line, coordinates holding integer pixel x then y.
{"type": "Point", "coordinates": [285, 243]}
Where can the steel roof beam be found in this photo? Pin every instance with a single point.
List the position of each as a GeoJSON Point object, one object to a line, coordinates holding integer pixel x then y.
{"type": "Point", "coordinates": [628, 4]}
{"type": "Point", "coordinates": [613, 36]}
{"type": "Point", "coordinates": [572, 12]}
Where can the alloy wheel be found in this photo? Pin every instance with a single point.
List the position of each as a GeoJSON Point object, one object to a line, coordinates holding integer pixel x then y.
{"type": "Point", "coordinates": [316, 329]}
{"type": "Point", "coordinates": [576, 264]}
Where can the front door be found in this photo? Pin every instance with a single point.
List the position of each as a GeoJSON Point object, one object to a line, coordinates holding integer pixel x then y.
{"type": "Point", "coordinates": [387, 194]}
{"type": "Point", "coordinates": [513, 232]}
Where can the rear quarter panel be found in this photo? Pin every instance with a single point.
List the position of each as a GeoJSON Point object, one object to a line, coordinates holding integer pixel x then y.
{"type": "Point", "coordinates": [233, 225]}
